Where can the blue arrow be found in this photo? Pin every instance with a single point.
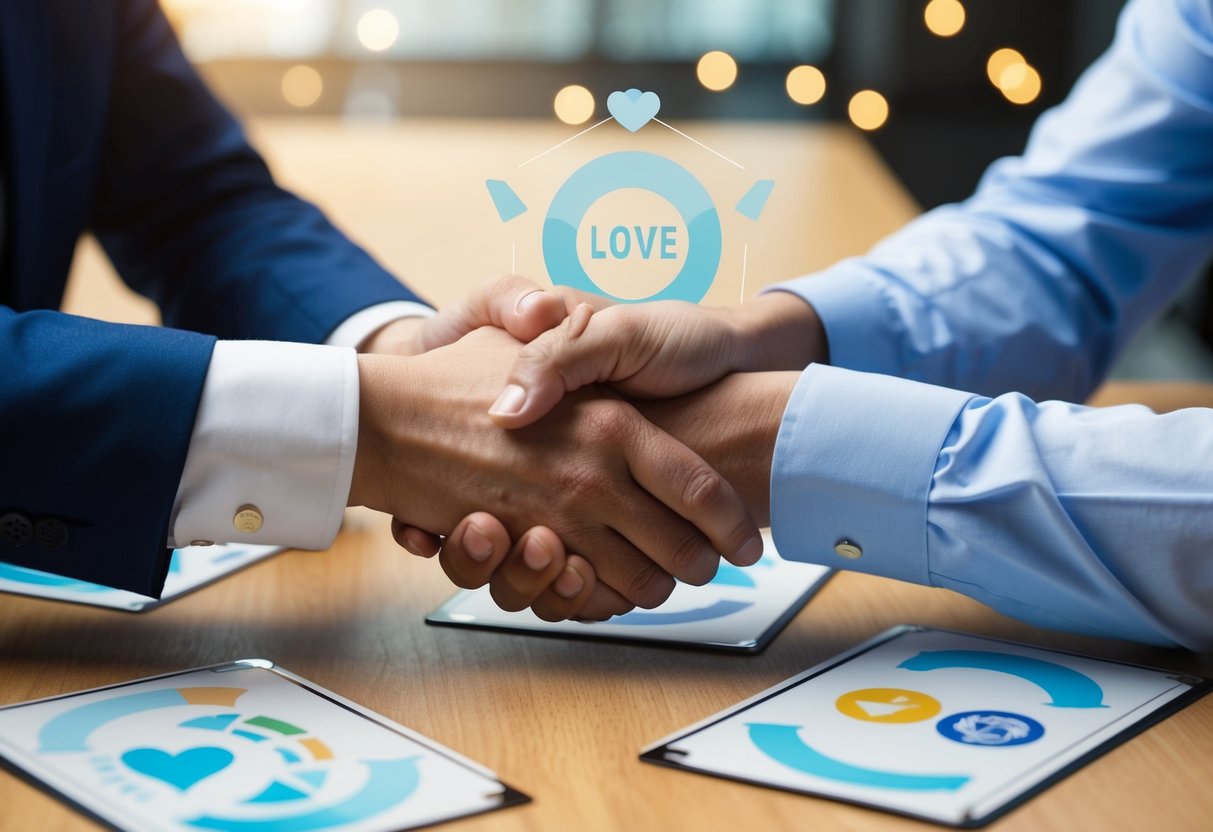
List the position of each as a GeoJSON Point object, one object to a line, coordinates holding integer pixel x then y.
{"type": "Point", "coordinates": [782, 743]}
{"type": "Point", "coordinates": [719, 609]}
{"type": "Point", "coordinates": [70, 730]}
{"type": "Point", "coordinates": [391, 782]}
{"type": "Point", "coordinates": [1067, 687]}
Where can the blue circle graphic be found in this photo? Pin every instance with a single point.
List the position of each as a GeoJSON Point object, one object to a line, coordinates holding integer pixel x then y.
{"type": "Point", "coordinates": [649, 172]}
{"type": "Point", "coordinates": [990, 729]}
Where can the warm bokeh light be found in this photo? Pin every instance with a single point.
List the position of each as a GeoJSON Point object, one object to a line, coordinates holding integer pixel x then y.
{"type": "Point", "coordinates": [378, 29]}
{"type": "Point", "coordinates": [1020, 83]}
{"type": "Point", "coordinates": [806, 84]}
{"type": "Point", "coordinates": [302, 86]}
{"type": "Point", "coordinates": [944, 17]}
{"type": "Point", "coordinates": [574, 104]}
{"type": "Point", "coordinates": [717, 71]}
{"type": "Point", "coordinates": [1000, 60]}
{"type": "Point", "coordinates": [868, 110]}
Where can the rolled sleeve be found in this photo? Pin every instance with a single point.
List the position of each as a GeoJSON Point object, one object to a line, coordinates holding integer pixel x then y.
{"type": "Point", "coordinates": [854, 461]}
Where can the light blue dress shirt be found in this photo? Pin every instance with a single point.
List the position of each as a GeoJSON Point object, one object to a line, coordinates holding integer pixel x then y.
{"type": "Point", "coordinates": [1093, 520]}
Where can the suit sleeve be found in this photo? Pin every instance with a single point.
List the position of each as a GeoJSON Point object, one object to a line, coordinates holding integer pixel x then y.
{"type": "Point", "coordinates": [191, 217]}
{"type": "Point", "coordinates": [96, 421]}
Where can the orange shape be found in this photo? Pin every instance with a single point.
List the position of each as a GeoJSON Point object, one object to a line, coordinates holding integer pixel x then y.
{"type": "Point", "coordinates": [889, 705]}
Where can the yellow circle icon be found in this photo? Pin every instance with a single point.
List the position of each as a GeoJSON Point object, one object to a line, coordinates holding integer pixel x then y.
{"type": "Point", "coordinates": [888, 705]}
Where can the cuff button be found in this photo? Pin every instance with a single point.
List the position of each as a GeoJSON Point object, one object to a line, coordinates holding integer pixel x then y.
{"type": "Point", "coordinates": [50, 533]}
{"type": "Point", "coordinates": [16, 529]}
{"type": "Point", "coordinates": [847, 549]}
{"type": "Point", "coordinates": [248, 519]}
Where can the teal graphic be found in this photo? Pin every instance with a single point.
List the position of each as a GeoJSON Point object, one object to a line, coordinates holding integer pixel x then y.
{"type": "Point", "coordinates": [391, 782]}
{"type": "Point", "coordinates": [1067, 687]}
{"type": "Point", "coordinates": [506, 202]}
{"type": "Point", "coordinates": [782, 743]}
{"type": "Point", "coordinates": [647, 171]}
{"type": "Point", "coordinates": [698, 244]}
{"type": "Point", "coordinates": [292, 791]}
{"type": "Point", "coordinates": [181, 771]}
{"type": "Point", "coordinates": [990, 729]}
{"type": "Point", "coordinates": [633, 109]}
{"type": "Point", "coordinates": [755, 199]}
{"type": "Point", "coordinates": [33, 577]}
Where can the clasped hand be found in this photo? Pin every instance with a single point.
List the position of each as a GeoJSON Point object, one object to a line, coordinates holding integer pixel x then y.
{"type": "Point", "coordinates": [564, 498]}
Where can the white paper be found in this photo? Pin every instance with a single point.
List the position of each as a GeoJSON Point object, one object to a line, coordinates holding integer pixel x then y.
{"type": "Point", "coordinates": [942, 725]}
{"type": "Point", "coordinates": [244, 750]}
{"type": "Point", "coordinates": [190, 568]}
{"type": "Point", "coordinates": [735, 610]}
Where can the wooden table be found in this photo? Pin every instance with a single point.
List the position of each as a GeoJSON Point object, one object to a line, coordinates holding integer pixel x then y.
{"type": "Point", "coordinates": [563, 721]}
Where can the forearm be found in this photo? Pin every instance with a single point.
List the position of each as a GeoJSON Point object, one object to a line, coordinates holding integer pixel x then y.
{"type": "Point", "coordinates": [733, 425]}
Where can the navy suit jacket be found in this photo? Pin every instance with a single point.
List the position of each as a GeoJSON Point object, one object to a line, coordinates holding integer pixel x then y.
{"type": "Point", "coordinates": [108, 129]}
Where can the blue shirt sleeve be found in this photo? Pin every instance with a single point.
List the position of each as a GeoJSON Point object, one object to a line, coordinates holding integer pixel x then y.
{"type": "Point", "coordinates": [1036, 282]}
{"type": "Point", "coordinates": [1094, 520]}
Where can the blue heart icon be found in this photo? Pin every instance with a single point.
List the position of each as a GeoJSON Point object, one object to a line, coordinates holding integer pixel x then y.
{"type": "Point", "coordinates": [633, 108]}
{"type": "Point", "coordinates": [180, 771]}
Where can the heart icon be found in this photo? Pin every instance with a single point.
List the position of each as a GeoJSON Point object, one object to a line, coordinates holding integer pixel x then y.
{"type": "Point", "coordinates": [180, 771]}
{"type": "Point", "coordinates": [633, 108]}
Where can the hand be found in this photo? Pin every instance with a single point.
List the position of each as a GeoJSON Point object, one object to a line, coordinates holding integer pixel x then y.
{"type": "Point", "coordinates": [515, 304]}
{"type": "Point", "coordinates": [733, 424]}
{"type": "Point", "coordinates": [625, 495]}
{"type": "Point", "coordinates": [657, 350]}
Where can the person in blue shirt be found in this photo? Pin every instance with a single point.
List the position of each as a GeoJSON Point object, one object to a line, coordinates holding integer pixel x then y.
{"type": "Point", "coordinates": [930, 438]}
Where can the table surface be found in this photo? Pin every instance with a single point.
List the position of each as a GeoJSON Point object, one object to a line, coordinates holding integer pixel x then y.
{"type": "Point", "coordinates": [563, 720]}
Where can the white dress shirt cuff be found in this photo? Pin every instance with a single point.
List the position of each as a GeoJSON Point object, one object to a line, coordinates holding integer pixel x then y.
{"type": "Point", "coordinates": [277, 428]}
{"type": "Point", "coordinates": [361, 325]}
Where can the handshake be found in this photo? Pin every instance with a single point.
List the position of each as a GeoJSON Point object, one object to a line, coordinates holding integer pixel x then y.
{"type": "Point", "coordinates": [578, 457]}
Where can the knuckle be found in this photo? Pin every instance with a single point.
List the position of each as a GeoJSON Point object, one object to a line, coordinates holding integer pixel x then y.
{"type": "Point", "coordinates": [609, 421]}
{"type": "Point", "coordinates": [703, 489]}
{"type": "Point", "coordinates": [650, 586]}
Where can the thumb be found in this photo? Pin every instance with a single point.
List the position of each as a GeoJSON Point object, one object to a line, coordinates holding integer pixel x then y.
{"type": "Point", "coordinates": [517, 305]}
{"type": "Point", "coordinates": [557, 362]}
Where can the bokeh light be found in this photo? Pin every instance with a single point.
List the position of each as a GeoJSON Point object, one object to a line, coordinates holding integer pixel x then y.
{"type": "Point", "coordinates": [1020, 83]}
{"type": "Point", "coordinates": [944, 17]}
{"type": "Point", "coordinates": [868, 110]}
{"type": "Point", "coordinates": [378, 29]}
{"type": "Point", "coordinates": [999, 61]}
{"type": "Point", "coordinates": [302, 86]}
{"type": "Point", "coordinates": [806, 84]}
{"type": "Point", "coordinates": [717, 71]}
{"type": "Point", "coordinates": [574, 104]}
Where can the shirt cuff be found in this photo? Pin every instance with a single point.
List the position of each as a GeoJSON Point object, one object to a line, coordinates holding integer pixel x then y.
{"type": "Point", "coordinates": [854, 461]}
{"type": "Point", "coordinates": [856, 312]}
{"type": "Point", "coordinates": [361, 325]}
{"type": "Point", "coordinates": [276, 430]}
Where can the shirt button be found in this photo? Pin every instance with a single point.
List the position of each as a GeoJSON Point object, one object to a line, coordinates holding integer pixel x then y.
{"type": "Point", "coordinates": [16, 529]}
{"type": "Point", "coordinates": [50, 533]}
{"type": "Point", "coordinates": [248, 519]}
{"type": "Point", "coordinates": [847, 549]}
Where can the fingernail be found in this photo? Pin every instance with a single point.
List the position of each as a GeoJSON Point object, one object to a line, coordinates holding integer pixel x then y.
{"type": "Point", "coordinates": [409, 547]}
{"type": "Point", "coordinates": [536, 556]}
{"type": "Point", "coordinates": [528, 301]}
{"type": "Point", "coordinates": [750, 553]}
{"type": "Point", "coordinates": [477, 543]}
{"type": "Point", "coordinates": [510, 401]}
{"type": "Point", "coordinates": [569, 583]}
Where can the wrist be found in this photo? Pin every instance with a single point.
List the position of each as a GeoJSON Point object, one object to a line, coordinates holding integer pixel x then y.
{"type": "Point", "coordinates": [399, 337]}
{"type": "Point", "coordinates": [779, 331]}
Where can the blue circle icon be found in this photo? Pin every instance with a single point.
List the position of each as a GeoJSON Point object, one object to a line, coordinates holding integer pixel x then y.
{"type": "Point", "coordinates": [991, 729]}
{"type": "Point", "coordinates": [645, 171]}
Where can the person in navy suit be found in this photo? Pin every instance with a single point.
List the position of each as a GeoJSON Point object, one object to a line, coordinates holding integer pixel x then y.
{"type": "Point", "coordinates": [248, 416]}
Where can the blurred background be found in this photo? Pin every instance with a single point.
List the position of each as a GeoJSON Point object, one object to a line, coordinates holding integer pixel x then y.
{"type": "Point", "coordinates": [940, 87]}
